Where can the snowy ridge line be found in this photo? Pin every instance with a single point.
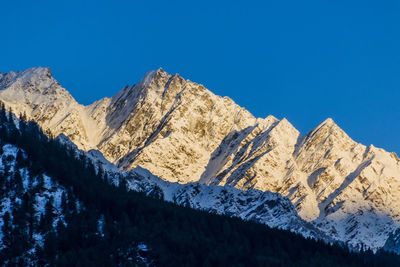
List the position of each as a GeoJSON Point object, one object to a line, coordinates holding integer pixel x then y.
{"type": "Point", "coordinates": [263, 207]}
{"type": "Point", "coordinates": [186, 134]}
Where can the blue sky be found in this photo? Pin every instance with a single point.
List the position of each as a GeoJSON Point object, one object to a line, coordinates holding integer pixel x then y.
{"type": "Point", "coordinates": [303, 60]}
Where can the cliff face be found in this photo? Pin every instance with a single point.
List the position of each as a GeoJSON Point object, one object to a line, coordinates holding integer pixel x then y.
{"type": "Point", "coordinates": [182, 132]}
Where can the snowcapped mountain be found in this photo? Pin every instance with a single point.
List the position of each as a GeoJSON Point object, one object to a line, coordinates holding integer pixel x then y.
{"type": "Point", "coordinates": [184, 134]}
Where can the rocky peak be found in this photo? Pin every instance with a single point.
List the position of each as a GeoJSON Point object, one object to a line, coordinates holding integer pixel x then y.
{"type": "Point", "coordinates": [34, 86]}
{"type": "Point", "coordinates": [34, 76]}
{"type": "Point", "coordinates": [325, 130]}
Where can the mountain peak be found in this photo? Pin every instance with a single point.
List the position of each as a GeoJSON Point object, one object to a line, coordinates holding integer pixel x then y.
{"type": "Point", "coordinates": [36, 73]}
{"type": "Point", "coordinates": [327, 125]}
{"type": "Point", "coordinates": [328, 128]}
{"type": "Point", "coordinates": [33, 80]}
{"type": "Point", "coordinates": [148, 77]}
{"type": "Point", "coordinates": [160, 70]}
{"type": "Point", "coordinates": [152, 75]}
{"type": "Point", "coordinates": [329, 121]}
{"type": "Point", "coordinates": [39, 70]}
{"type": "Point", "coordinates": [24, 77]}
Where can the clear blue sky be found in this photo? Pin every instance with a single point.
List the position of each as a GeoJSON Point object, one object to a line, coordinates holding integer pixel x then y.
{"type": "Point", "coordinates": [303, 60]}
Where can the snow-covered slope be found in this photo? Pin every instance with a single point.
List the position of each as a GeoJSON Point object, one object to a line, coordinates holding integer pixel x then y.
{"type": "Point", "coordinates": [35, 207]}
{"type": "Point", "coordinates": [264, 207]}
{"type": "Point", "coordinates": [28, 199]}
{"type": "Point", "coordinates": [37, 94]}
{"type": "Point", "coordinates": [182, 132]}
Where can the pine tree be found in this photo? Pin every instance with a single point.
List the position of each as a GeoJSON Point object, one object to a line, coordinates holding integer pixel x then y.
{"type": "Point", "coordinates": [39, 255]}
{"type": "Point", "coordinates": [3, 115]}
{"type": "Point", "coordinates": [20, 160]}
{"type": "Point", "coordinates": [7, 231]}
{"type": "Point", "coordinates": [3, 181]}
{"type": "Point", "coordinates": [17, 181]}
{"type": "Point", "coordinates": [49, 214]}
{"type": "Point", "coordinates": [40, 182]}
{"type": "Point", "coordinates": [20, 232]}
{"type": "Point", "coordinates": [123, 185]}
{"type": "Point", "coordinates": [64, 204]}
{"type": "Point", "coordinates": [29, 206]}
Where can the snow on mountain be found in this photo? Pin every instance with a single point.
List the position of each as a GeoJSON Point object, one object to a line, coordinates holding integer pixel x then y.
{"type": "Point", "coordinates": [44, 189]}
{"type": "Point", "coordinates": [37, 94]}
{"type": "Point", "coordinates": [264, 207]}
{"type": "Point", "coordinates": [182, 132]}
{"type": "Point", "coordinates": [34, 207]}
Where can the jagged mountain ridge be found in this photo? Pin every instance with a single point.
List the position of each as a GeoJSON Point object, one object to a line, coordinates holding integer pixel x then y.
{"type": "Point", "coordinates": [183, 133]}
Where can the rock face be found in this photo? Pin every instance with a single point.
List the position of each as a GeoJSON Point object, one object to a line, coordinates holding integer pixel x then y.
{"type": "Point", "coordinates": [182, 132]}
